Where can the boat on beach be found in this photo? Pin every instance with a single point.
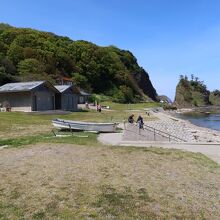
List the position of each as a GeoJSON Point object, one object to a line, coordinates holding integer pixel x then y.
{"type": "Point", "coordinates": [84, 126]}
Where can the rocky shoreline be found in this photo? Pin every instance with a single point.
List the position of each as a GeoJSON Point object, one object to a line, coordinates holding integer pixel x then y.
{"type": "Point", "coordinates": [197, 139]}
{"type": "Point", "coordinates": [203, 109]}
{"type": "Point", "coordinates": [201, 134]}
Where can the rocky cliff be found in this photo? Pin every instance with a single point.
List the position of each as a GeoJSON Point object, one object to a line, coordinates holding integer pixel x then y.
{"type": "Point", "coordinates": [191, 93]}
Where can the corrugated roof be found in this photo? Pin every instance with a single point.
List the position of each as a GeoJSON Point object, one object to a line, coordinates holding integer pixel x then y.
{"type": "Point", "coordinates": [21, 86]}
{"type": "Point", "coordinates": [62, 88]}
{"type": "Point", "coordinates": [82, 92]}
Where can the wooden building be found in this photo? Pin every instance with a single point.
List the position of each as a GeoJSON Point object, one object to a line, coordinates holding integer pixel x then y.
{"type": "Point", "coordinates": [28, 96]}
{"type": "Point", "coordinates": [67, 98]}
{"type": "Point", "coordinates": [83, 97]}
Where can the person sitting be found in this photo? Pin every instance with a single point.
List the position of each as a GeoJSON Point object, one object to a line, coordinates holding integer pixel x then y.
{"type": "Point", "coordinates": [131, 119]}
{"type": "Point", "coordinates": [148, 113]}
{"type": "Point", "coordinates": [140, 122]}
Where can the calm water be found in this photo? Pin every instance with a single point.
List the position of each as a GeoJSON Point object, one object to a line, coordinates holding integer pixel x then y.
{"type": "Point", "coordinates": [204, 120]}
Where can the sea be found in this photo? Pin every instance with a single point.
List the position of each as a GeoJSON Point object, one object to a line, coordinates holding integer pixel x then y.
{"type": "Point", "coordinates": [203, 120]}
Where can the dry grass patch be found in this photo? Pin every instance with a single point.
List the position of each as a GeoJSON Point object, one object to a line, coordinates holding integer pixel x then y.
{"type": "Point", "coordinates": [63, 181]}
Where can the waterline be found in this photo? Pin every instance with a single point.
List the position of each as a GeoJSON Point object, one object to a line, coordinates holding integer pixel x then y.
{"type": "Point", "coordinates": [211, 121]}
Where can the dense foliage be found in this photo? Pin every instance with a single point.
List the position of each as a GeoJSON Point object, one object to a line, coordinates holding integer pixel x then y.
{"type": "Point", "coordinates": [27, 54]}
{"type": "Point", "coordinates": [191, 92]}
{"type": "Point", "coordinates": [214, 97]}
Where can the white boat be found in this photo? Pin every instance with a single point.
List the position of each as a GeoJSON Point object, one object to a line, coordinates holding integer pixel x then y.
{"type": "Point", "coordinates": [84, 126]}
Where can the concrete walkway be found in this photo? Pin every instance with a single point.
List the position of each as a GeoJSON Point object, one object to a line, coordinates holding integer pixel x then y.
{"type": "Point", "coordinates": [212, 150]}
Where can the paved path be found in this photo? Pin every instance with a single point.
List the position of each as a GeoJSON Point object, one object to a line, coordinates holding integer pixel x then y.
{"type": "Point", "coordinates": [110, 138]}
{"type": "Point", "coordinates": [212, 150]}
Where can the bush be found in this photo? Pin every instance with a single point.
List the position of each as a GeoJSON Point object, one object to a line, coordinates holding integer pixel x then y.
{"type": "Point", "coordinates": [124, 95]}
{"type": "Point", "coordinates": [99, 98]}
{"type": "Point", "coordinates": [169, 107]}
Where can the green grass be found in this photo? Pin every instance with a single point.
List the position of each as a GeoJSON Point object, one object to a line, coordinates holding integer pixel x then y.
{"type": "Point", "coordinates": [90, 182]}
{"type": "Point", "coordinates": [16, 124]}
{"type": "Point", "coordinates": [15, 212]}
{"type": "Point", "coordinates": [176, 154]}
{"type": "Point", "coordinates": [20, 124]}
{"type": "Point", "coordinates": [85, 180]}
{"type": "Point", "coordinates": [78, 138]}
{"type": "Point", "coordinates": [136, 106]}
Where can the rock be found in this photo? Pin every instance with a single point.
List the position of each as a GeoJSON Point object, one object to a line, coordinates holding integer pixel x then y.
{"type": "Point", "coordinates": [191, 93]}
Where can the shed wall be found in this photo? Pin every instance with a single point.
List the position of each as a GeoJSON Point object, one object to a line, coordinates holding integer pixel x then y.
{"type": "Point", "coordinates": [42, 101]}
{"type": "Point", "coordinates": [19, 101]}
{"type": "Point", "coordinates": [69, 101]}
{"type": "Point", "coordinates": [82, 99]}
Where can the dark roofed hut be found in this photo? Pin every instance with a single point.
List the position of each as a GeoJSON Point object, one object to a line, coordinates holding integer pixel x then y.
{"type": "Point", "coordinates": [29, 96]}
{"type": "Point", "coordinates": [83, 97]}
{"type": "Point", "coordinates": [67, 98]}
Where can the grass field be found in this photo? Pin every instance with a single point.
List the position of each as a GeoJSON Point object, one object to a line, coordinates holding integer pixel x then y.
{"type": "Point", "coordinates": [17, 124]}
{"type": "Point", "coordinates": [75, 177]}
{"type": "Point", "coordinates": [66, 181]}
{"type": "Point", "coordinates": [137, 106]}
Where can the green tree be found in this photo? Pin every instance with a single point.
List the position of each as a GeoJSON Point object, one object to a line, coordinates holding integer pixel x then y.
{"type": "Point", "coordinates": [30, 69]}
{"type": "Point", "coordinates": [9, 66]}
{"type": "Point", "coordinates": [80, 80]}
{"type": "Point", "coordinates": [4, 77]}
{"type": "Point", "coordinates": [15, 53]}
{"type": "Point", "coordinates": [30, 54]}
{"type": "Point", "coordinates": [124, 95]}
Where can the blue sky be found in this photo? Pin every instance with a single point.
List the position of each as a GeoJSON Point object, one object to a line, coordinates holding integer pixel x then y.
{"type": "Point", "coordinates": [168, 37]}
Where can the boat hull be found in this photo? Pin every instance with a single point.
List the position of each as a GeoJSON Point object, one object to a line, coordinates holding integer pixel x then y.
{"type": "Point", "coordinates": [84, 126]}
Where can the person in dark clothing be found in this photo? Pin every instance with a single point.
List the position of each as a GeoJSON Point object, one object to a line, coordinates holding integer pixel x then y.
{"type": "Point", "coordinates": [131, 119]}
{"type": "Point", "coordinates": [140, 122]}
{"type": "Point", "coordinates": [99, 108]}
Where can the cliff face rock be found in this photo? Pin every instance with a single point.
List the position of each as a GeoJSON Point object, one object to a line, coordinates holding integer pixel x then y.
{"type": "Point", "coordinates": [165, 99]}
{"type": "Point", "coordinates": [27, 55]}
{"type": "Point", "coordinates": [191, 93]}
{"type": "Point", "coordinates": [214, 98]}
{"type": "Point", "coordinates": [143, 81]}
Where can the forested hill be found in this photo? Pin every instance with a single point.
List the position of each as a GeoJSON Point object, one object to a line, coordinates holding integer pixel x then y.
{"type": "Point", "coordinates": [191, 93]}
{"type": "Point", "coordinates": [27, 54]}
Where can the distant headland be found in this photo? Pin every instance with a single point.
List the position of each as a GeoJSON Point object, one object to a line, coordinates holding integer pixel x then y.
{"type": "Point", "coordinates": [191, 93]}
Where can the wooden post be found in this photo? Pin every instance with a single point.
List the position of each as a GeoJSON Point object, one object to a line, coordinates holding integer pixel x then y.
{"type": "Point", "coordinates": [71, 129]}
{"type": "Point", "coordinates": [54, 133]}
{"type": "Point", "coordinates": [154, 135]}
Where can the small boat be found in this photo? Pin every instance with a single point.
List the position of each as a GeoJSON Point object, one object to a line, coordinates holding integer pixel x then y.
{"type": "Point", "coordinates": [84, 126]}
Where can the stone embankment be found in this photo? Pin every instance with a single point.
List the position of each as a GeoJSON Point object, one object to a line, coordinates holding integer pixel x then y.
{"type": "Point", "coordinates": [180, 134]}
